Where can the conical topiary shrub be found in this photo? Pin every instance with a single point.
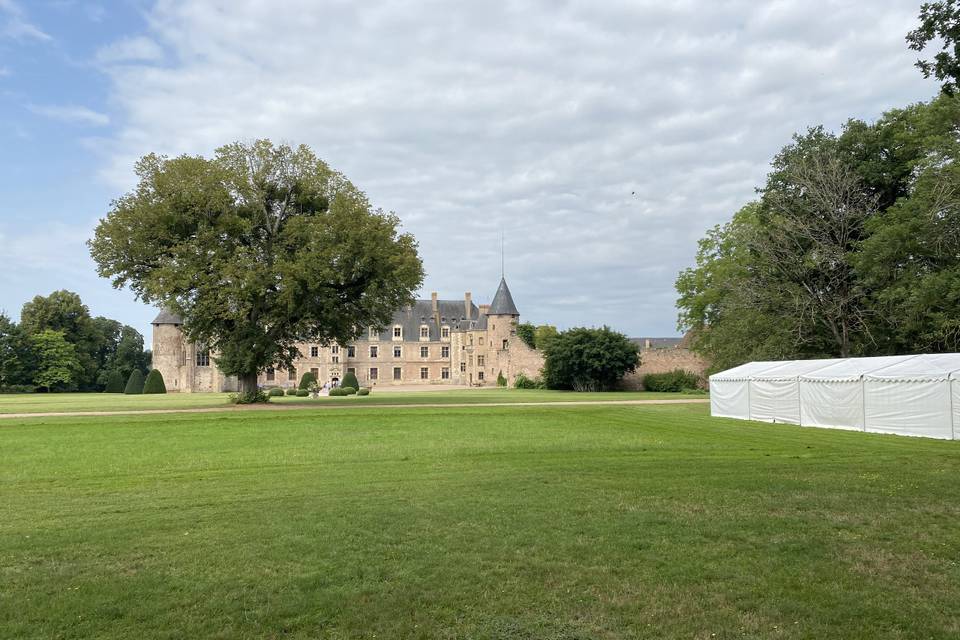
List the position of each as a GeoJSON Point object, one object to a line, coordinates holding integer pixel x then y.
{"type": "Point", "coordinates": [307, 380]}
{"type": "Point", "coordinates": [114, 383]}
{"type": "Point", "coordinates": [134, 383]}
{"type": "Point", "coordinates": [350, 380]}
{"type": "Point", "coordinates": [154, 383]}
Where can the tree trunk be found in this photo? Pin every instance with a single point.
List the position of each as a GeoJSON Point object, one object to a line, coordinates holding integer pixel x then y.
{"type": "Point", "coordinates": [247, 383]}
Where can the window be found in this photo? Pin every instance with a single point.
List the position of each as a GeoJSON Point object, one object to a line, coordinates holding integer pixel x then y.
{"type": "Point", "coordinates": [335, 349]}
{"type": "Point", "coordinates": [315, 372]}
{"type": "Point", "coordinates": [479, 375]}
{"type": "Point", "coordinates": [291, 374]}
{"type": "Point", "coordinates": [445, 373]}
{"type": "Point", "coordinates": [203, 357]}
{"type": "Point", "coordinates": [374, 334]}
{"type": "Point", "coordinates": [373, 351]}
{"type": "Point", "coordinates": [398, 332]}
{"type": "Point", "coordinates": [463, 367]}
{"type": "Point", "coordinates": [271, 374]}
{"type": "Point", "coordinates": [480, 341]}
{"type": "Point", "coordinates": [396, 373]}
{"type": "Point", "coordinates": [335, 359]}
{"type": "Point", "coordinates": [351, 351]}
{"type": "Point", "coordinates": [374, 373]}
{"type": "Point", "coordinates": [314, 352]}
{"type": "Point", "coordinates": [398, 352]}
{"type": "Point", "coordinates": [424, 352]}
{"type": "Point", "coordinates": [470, 358]}
{"type": "Point", "coordinates": [471, 340]}
{"type": "Point", "coordinates": [445, 352]}
{"type": "Point", "coordinates": [424, 332]}
{"type": "Point", "coordinates": [505, 342]}
{"type": "Point", "coordinates": [352, 370]}
{"type": "Point", "coordinates": [445, 332]}
{"type": "Point", "coordinates": [480, 360]}
{"type": "Point", "coordinates": [424, 373]}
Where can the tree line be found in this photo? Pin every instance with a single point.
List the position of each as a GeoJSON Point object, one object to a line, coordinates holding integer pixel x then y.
{"type": "Point", "coordinates": [852, 247]}
{"type": "Point", "coordinates": [58, 346]}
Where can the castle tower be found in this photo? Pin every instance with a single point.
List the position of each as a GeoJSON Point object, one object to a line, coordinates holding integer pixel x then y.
{"type": "Point", "coordinates": [169, 351]}
{"type": "Point", "coordinates": [502, 319]}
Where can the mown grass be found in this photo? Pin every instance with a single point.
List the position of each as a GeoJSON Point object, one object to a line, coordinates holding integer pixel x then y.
{"type": "Point", "coordinates": [61, 402]}
{"type": "Point", "coordinates": [481, 522]}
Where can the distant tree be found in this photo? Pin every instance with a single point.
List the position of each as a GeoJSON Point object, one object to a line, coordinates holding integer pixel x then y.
{"type": "Point", "coordinates": [257, 249]}
{"type": "Point", "coordinates": [939, 21]}
{"type": "Point", "coordinates": [589, 359]}
{"type": "Point", "coordinates": [17, 360]}
{"type": "Point", "coordinates": [501, 381]}
{"type": "Point", "coordinates": [350, 380]}
{"type": "Point", "coordinates": [63, 311]}
{"type": "Point", "coordinates": [307, 380]}
{"type": "Point", "coordinates": [57, 365]}
{"type": "Point", "coordinates": [527, 333]}
{"type": "Point", "coordinates": [115, 382]}
{"type": "Point", "coordinates": [134, 383]}
{"type": "Point", "coordinates": [154, 382]}
{"type": "Point", "coordinates": [544, 335]}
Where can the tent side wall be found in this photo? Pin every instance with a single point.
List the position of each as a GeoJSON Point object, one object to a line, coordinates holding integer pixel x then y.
{"type": "Point", "coordinates": [774, 401]}
{"type": "Point", "coordinates": [730, 399]}
{"type": "Point", "coordinates": [917, 407]}
{"type": "Point", "coordinates": [836, 404]}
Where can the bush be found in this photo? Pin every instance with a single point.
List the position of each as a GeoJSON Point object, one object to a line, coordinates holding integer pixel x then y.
{"type": "Point", "coordinates": [154, 382]}
{"type": "Point", "coordinates": [292, 391]}
{"type": "Point", "coordinates": [115, 383]}
{"type": "Point", "coordinates": [134, 383]}
{"type": "Point", "coordinates": [523, 382]}
{"type": "Point", "coordinates": [302, 393]}
{"type": "Point", "coordinates": [338, 391]}
{"type": "Point", "coordinates": [249, 397]}
{"type": "Point", "coordinates": [307, 380]}
{"type": "Point", "coordinates": [676, 380]}
{"type": "Point", "coordinates": [363, 392]}
{"type": "Point", "coordinates": [20, 388]}
{"type": "Point", "coordinates": [588, 359]}
{"type": "Point", "coordinates": [348, 391]}
{"type": "Point", "coordinates": [501, 381]}
{"type": "Point", "coordinates": [276, 392]}
{"type": "Point", "coordinates": [527, 333]}
{"type": "Point", "coordinates": [350, 380]}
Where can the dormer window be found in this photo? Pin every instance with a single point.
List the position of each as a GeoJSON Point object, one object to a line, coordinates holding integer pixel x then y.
{"type": "Point", "coordinates": [374, 334]}
{"type": "Point", "coordinates": [397, 332]}
{"type": "Point", "coordinates": [444, 331]}
{"type": "Point", "coordinates": [424, 332]}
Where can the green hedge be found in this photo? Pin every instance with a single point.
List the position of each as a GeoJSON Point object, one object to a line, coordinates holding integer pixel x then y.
{"type": "Point", "coordinates": [134, 383]}
{"type": "Point", "coordinates": [302, 393]}
{"type": "Point", "coordinates": [292, 391]}
{"type": "Point", "coordinates": [676, 380]}
{"type": "Point", "coordinates": [338, 391]}
{"type": "Point", "coordinates": [154, 382]}
{"type": "Point", "coordinates": [348, 391]}
{"type": "Point", "coordinates": [115, 383]}
{"type": "Point", "coordinates": [276, 392]}
{"type": "Point", "coordinates": [350, 380]}
{"type": "Point", "coordinates": [307, 380]}
{"type": "Point", "coordinates": [363, 392]}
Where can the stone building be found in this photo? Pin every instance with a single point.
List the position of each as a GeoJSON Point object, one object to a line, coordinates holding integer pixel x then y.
{"type": "Point", "coordinates": [430, 342]}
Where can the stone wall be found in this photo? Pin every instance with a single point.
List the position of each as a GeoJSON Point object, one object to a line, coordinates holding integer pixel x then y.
{"type": "Point", "coordinates": [662, 361]}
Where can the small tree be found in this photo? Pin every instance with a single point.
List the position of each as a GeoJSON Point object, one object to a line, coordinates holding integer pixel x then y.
{"type": "Point", "coordinates": [307, 380]}
{"type": "Point", "coordinates": [501, 381]}
{"type": "Point", "coordinates": [134, 383]}
{"type": "Point", "coordinates": [589, 359]}
{"type": "Point", "coordinates": [115, 383]}
{"type": "Point", "coordinates": [350, 380]}
{"type": "Point", "coordinates": [56, 360]}
{"type": "Point", "coordinates": [527, 333]}
{"type": "Point", "coordinates": [154, 382]}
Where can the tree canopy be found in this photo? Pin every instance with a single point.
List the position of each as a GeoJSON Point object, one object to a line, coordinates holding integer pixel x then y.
{"type": "Point", "coordinates": [588, 359]}
{"type": "Point", "coordinates": [939, 21]}
{"type": "Point", "coordinates": [257, 248]}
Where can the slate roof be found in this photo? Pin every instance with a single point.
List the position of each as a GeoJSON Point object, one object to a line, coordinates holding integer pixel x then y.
{"type": "Point", "coordinates": [502, 304]}
{"type": "Point", "coordinates": [451, 313]}
{"type": "Point", "coordinates": [167, 317]}
{"type": "Point", "coordinates": [658, 343]}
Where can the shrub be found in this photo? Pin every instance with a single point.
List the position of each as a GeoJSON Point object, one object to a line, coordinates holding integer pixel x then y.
{"type": "Point", "coordinates": [276, 392]}
{"type": "Point", "coordinates": [20, 388]}
{"type": "Point", "coordinates": [501, 381]}
{"type": "Point", "coordinates": [348, 391]}
{"type": "Point", "coordinates": [115, 383]}
{"type": "Point", "coordinates": [249, 397]}
{"type": "Point", "coordinates": [292, 391]}
{"type": "Point", "coordinates": [588, 359]}
{"type": "Point", "coordinates": [337, 391]}
{"type": "Point", "coordinates": [523, 382]}
{"type": "Point", "coordinates": [363, 392]}
{"type": "Point", "coordinates": [134, 383]}
{"type": "Point", "coordinates": [307, 380]}
{"type": "Point", "coordinates": [676, 380]}
{"type": "Point", "coordinates": [154, 382]}
{"type": "Point", "coordinates": [302, 393]}
{"type": "Point", "coordinates": [350, 380]}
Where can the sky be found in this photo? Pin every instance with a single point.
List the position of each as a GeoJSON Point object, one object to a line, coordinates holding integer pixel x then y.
{"type": "Point", "coordinates": [601, 138]}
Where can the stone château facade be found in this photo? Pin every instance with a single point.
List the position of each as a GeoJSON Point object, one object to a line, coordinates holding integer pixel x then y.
{"type": "Point", "coordinates": [431, 342]}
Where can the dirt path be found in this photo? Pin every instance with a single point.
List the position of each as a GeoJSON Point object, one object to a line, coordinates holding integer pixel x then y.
{"type": "Point", "coordinates": [293, 407]}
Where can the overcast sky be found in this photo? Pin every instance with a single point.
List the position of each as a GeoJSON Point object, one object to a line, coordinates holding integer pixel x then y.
{"type": "Point", "coordinates": [602, 138]}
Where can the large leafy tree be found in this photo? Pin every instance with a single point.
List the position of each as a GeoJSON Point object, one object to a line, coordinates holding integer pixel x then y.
{"type": "Point", "coordinates": [57, 364]}
{"type": "Point", "coordinates": [939, 22]}
{"type": "Point", "coordinates": [17, 359]}
{"type": "Point", "coordinates": [257, 248]}
{"type": "Point", "coordinates": [588, 359]}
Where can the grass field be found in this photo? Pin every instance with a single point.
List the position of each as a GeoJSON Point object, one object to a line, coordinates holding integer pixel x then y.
{"type": "Point", "coordinates": [481, 522]}
{"type": "Point", "coordinates": [57, 402]}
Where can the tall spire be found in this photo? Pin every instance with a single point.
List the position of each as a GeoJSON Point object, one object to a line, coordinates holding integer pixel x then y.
{"type": "Point", "coordinates": [503, 304]}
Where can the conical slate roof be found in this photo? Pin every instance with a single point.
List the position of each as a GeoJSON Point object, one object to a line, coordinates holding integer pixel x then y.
{"type": "Point", "coordinates": [502, 304]}
{"type": "Point", "coordinates": [167, 317]}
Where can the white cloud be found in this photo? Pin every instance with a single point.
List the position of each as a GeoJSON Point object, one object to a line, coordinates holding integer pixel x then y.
{"type": "Point", "coordinates": [14, 23]}
{"type": "Point", "coordinates": [127, 50]}
{"type": "Point", "coordinates": [602, 138]}
{"type": "Point", "coordinates": [72, 113]}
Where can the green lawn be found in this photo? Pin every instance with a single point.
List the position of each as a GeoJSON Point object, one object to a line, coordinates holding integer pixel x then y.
{"type": "Point", "coordinates": [56, 402]}
{"type": "Point", "coordinates": [481, 522]}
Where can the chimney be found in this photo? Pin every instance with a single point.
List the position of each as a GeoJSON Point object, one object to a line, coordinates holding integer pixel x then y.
{"type": "Point", "coordinates": [434, 307]}
{"type": "Point", "coordinates": [468, 305]}
{"type": "Point", "coordinates": [484, 308]}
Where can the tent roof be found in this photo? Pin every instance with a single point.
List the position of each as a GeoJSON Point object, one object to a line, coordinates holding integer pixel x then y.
{"type": "Point", "coordinates": [852, 368]}
{"type": "Point", "coordinates": [928, 366]}
{"type": "Point", "coordinates": [745, 371]}
{"type": "Point", "coordinates": [790, 369]}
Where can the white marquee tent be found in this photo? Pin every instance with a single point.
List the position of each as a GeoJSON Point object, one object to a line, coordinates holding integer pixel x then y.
{"type": "Point", "coordinates": [906, 395]}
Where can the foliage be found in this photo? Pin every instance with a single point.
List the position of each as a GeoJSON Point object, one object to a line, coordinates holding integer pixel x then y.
{"type": "Point", "coordinates": [521, 381]}
{"type": "Point", "coordinates": [115, 382]}
{"type": "Point", "coordinates": [350, 380]}
{"type": "Point", "coordinates": [135, 383]}
{"type": "Point", "coordinates": [501, 381]}
{"type": "Point", "coordinates": [348, 391]}
{"type": "Point", "coordinates": [940, 23]}
{"type": "Point", "coordinates": [527, 333]}
{"type": "Point", "coordinates": [363, 391]}
{"type": "Point", "coordinates": [673, 381]}
{"type": "Point", "coordinates": [545, 334]}
{"type": "Point", "coordinates": [307, 380]}
{"type": "Point", "coordinates": [589, 359]}
{"type": "Point", "coordinates": [257, 396]}
{"type": "Point", "coordinates": [257, 249]}
{"type": "Point", "coordinates": [338, 391]}
{"type": "Point", "coordinates": [154, 382]}
{"type": "Point", "coordinates": [302, 393]}
{"type": "Point", "coordinates": [57, 364]}
{"type": "Point", "coordinates": [292, 391]}
{"type": "Point", "coordinates": [17, 358]}
{"type": "Point", "coordinates": [275, 392]}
